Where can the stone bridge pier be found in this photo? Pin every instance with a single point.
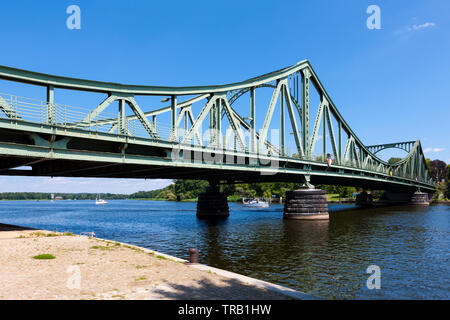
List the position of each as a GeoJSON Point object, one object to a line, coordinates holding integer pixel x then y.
{"type": "Point", "coordinates": [212, 204]}
{"type": "Point", "coordinates": [306, 204]}
{"type": "Point", "coordinates": [413, 198]}
{"type": "Point", "coordinates": [364, 199]}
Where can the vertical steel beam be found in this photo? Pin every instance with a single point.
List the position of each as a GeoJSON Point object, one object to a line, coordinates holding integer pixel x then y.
{"type": "Point", "coordinates": [282, 124]}
{"type": "Point", "coordinates": [186, 119]}
{"type": "Point", "coordinates": [50, 104]}
{"type": "Point", "coordinates": [217, 120]}
{"type": "Point", "coordinates": [212, 119]}
{"type": "Point", "coordinates": [122, 127]}
{"type": "Point", "coordinates": [324, 134]}
{"type": "Point", "coordinates": [305, 111]}
{"type": "Point", "coordinates": [173, 116]}
{"type": "Point", "coordinates": [252, 121]}
{"type": "Point", "coordinates": [339, 141]}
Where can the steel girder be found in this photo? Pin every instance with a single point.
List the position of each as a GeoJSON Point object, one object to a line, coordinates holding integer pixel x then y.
{"type": "Point", "coordinates": [290, 85]}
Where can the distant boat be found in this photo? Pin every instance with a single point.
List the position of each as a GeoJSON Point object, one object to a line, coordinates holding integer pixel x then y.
{"type": "Point", "coordinates": [100, 201]}
{"type": "Point", "coordinates": [256, 203]}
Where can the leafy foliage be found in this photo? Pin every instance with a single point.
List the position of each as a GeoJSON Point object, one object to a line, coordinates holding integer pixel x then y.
{"type": "Point", "coordinates": [394, 160]}
{"type": "Point", "coordinates": [439, 170]}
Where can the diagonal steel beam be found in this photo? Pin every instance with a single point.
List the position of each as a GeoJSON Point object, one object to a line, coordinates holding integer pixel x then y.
{"type": "Point", "coordinates": [347, 147]}
{"type": "Point", "coordinates": [331, 131]}
{"type": "Point", "coordinates": [8, 110]}
{"type": "Point", "coordinates": [192, 120]}
{"type": "Point", "coordinates": [199, 121]}
{"type": "Point", "coordinates": [269, 114]}
{"type": "Point", "coordinates": [316, 128]}
{"type": "Point", "coordinates": [293, 121]}
{"type": "Point", "coordinates": [100, 108]}
{"type": "Point", "coordinates": [248, 127]}
{"type": "Point", "coordinates": [234, 123]}
{"type": "Point", "coordinates": [142, 118]}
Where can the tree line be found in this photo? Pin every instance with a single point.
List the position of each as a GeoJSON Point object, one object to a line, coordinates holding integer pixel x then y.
{"type": "Point", "coordinates": [182, 190]}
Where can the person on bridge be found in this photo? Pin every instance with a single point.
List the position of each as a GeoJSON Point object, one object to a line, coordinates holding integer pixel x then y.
{"type": "Point", "coordinates": [329, 159]}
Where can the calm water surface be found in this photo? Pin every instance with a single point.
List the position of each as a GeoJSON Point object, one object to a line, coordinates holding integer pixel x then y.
{"type": "Point", "coordinates": [324, 258]}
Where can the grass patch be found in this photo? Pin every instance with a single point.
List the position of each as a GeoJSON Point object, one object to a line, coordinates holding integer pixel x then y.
{"type": "Point", "coordinates": [68, 234]}
{"type": "Point", "coordinates": [100, 247]}
{"type": "Point", "coordinates": [161, 257]}
{"type": "Point", "coordinates": [45, 256]}
{"type": "Point", "coordinates": [140, 267]}
{"type": "Point", "coordinates": [332, 197]}
{"type": "Point", "coordinates": [141, 278]}
{"type": "Point", "coordinates": [43, 234]}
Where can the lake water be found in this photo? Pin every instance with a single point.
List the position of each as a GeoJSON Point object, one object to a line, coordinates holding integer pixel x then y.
{"type": "Point", "coordinates": [324, 258]}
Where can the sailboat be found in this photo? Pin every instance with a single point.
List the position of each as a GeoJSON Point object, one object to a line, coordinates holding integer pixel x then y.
{"type": "Point", "coordinates": [100, 201]}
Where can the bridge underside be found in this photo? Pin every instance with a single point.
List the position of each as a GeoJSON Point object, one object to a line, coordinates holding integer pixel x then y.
{"type": "Point", "coordinates": [81, 154]}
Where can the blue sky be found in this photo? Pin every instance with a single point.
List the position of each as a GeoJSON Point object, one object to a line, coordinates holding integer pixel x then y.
{"type": "Point", "coordinates": [389, 84]}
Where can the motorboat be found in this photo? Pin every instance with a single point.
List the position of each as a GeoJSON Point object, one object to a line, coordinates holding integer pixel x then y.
{"type": "Point", "coordinates": [256, 203]}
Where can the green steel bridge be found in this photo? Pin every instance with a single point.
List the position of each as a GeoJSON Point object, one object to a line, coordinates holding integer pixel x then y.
{"type": "Point", "coordinates": [200, 132]}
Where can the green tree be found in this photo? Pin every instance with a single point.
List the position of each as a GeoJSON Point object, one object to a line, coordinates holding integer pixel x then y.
{"type": "Point", "coordinates": [394, 160]}
{"type": "Point", "coordinates": [438, 170]}
{"type": "Point", "coordinates": [345, 192]}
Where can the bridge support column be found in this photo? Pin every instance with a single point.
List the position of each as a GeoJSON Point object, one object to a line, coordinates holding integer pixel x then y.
{"type": "Point", "coordinates": [212, 204]}
{"type": "Point", "coordinates": [306, 204]}
{"type": "Point", "coordinates": [364, 199]}
{"type": "Point", "coordinates": [420, 199]}
{"type": "Point", "coordinates": [417, 198]}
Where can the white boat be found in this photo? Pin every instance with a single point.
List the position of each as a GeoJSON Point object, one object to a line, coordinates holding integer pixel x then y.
{"type": "Point", "coordinates": [256, 203]}
{"type": "Point", "coordinates": [100, 201]}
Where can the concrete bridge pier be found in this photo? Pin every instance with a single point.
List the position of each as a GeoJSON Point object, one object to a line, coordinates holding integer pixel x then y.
{"type": "Point", "coordinates": [306, 204]}
{"type": "Point", "coordinates": [212, 204]}
{"type": "Point", "coordinates": [419, 199]}
{"type": "Point", "coordinates": [364, 199]}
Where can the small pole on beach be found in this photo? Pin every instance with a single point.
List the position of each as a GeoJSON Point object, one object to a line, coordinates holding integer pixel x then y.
{"type": "Point", "coordinates": [193, 255]}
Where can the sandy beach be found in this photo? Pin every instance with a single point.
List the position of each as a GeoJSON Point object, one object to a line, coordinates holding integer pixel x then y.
{"type": "Point", "coordinates": [90, 268]}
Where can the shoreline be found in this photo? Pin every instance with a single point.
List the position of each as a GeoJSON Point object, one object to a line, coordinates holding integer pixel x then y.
{"type": "Point", "coordinates": [114, 270]}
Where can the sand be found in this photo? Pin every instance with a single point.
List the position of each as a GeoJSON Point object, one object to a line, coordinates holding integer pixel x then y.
{"type": "Point", "coordinates": [90, 268]}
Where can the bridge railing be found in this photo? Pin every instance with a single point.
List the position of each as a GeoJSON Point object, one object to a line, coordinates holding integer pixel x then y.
{"type": "Point", "coordinates": [38, 111]}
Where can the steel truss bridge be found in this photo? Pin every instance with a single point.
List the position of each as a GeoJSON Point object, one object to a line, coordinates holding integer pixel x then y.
{"type": "Point", "coordinates": [168, 139]}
